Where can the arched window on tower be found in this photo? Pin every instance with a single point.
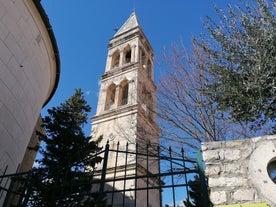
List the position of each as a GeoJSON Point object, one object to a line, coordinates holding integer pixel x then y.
{"type": "Point", "coordinates": [110, 97]}
{"type": "Point", "coordinates": [144, 98]}
{"type": "Point", "coordinates": [149, 68]}
{"type": "Point", "coordinates": [127, 54]}
{"type": "Point", "coordinates": [150, 107]}
{"type": "Point", "coordinates": [123, 93]}
{"type": "Point", "coordinates": [115, 59]}
{"type": "Point", "coordinates": [143, 58]}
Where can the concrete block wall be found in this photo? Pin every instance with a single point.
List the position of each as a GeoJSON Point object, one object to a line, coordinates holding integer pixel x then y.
{"type": "Point", "coordinates": [237, 170]}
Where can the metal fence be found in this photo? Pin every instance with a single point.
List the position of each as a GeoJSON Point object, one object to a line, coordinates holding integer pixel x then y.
{"type": "Point", "coordinates": [130, 175]}
{"type": "Point", "coordinates": [14, 188]}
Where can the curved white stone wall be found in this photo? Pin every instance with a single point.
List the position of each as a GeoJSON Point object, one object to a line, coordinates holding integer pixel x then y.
{"type": "Point", "coordinates": [28, 76]}
{"type": "Point", "coordinates": [259, 160]}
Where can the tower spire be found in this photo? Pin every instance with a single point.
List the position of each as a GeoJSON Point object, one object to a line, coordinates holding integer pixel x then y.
{"type": "Point", "coordinates": [131, 23]}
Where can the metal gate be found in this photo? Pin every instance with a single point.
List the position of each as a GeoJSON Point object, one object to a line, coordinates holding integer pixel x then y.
{"type": "Point", "coordinates": [137, 176]}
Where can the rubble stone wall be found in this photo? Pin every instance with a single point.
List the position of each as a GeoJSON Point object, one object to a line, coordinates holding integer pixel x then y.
{"type": "Point", "coordinates": [237, 170]}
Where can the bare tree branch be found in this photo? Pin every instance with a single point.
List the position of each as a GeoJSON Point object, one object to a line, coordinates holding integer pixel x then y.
{"type": "Point", "coordinates": [187, 117]}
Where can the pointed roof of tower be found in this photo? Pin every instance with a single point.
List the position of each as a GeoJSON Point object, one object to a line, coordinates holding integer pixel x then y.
{"type": "Point", "coordinates": [131, 23]}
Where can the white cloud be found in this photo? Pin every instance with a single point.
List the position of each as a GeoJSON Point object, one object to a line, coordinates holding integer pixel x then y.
{"type": "Point", "coordinates": [87, 93]}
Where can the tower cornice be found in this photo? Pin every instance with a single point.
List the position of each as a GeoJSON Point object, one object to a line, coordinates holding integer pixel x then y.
{"type": "Point", "coordinates": [115, 113]}
{"type": "Point", "coordinates": [120, 70]}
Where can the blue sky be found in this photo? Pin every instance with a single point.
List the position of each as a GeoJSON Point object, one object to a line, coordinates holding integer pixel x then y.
{"type": "Point", "coordinates": [83, 29]}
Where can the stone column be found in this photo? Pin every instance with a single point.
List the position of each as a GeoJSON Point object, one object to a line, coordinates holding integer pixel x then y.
{"type": "Point", "coordinates": [121, 58]}
{"type": "Point", "coordinates": [133, 55]}
{"type": "Point", "coordinates": [116, 98]}
{"type": "Point", "coordinates": [137, 54]}
{"type": "Point", "coordinates": [108, 63]}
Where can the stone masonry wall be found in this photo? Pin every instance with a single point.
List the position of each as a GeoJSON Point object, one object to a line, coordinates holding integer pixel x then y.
{"type": "Point", "coordinates": [237, 170]}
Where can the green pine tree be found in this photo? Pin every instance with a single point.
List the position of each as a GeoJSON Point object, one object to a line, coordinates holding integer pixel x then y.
{"type": "Point", "coordinates": [62, 178]}
{"type": "Point", "coordinates": [195, 193]}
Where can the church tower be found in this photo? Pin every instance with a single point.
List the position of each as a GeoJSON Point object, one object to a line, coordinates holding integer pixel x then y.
{"type": "Point", "coordinates": [126, 105]}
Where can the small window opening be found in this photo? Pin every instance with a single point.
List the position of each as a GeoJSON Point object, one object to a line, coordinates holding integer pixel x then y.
{"type": "Point", "coordinates": [110, 97]}
{"type": "Point", "coordinates": [150, 107]}
{"type": "Point", "coordinates": [149, 68]}
{"type": "Point", "coordinates": [123, 93]}
{"type": "Point", "coordinates": [128, 57]}
{"type": "Point", "coordinates": [144, 98]}
{"type": "Point", "coordinates": [143, 58]}
{"type": "Point", "coordinates": [271, 169]}
{"type": "Point", "coordinates": [115, 59]}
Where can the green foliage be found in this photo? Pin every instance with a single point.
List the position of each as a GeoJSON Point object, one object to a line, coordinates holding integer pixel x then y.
{"type": "Point", "coordinates": [62, 178]}
{"type": "Point", "coordinates": [240, 52]}
{"type": "Point", "coordinates": [195, 193]}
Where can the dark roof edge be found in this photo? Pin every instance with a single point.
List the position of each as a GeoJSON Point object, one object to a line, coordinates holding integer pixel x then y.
{"type": "Point", "coordinates": [54, 44]}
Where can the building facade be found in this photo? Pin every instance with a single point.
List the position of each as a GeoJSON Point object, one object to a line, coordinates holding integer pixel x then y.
{"type": "Point", "coordinates": [29, 68]}
{"type": "Point", "coordinates": [126, 105]}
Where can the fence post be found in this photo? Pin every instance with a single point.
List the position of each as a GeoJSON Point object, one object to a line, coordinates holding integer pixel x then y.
{"type": "Point", "coordinates": [101, 190]}
{"type": "Point", "coordinates": [28, 187]}
{"type": "Point", "coordinates": [205, 195]}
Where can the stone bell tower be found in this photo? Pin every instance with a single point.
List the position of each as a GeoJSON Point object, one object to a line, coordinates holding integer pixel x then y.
{"type": "Point", "coordinates": [127, 102]}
